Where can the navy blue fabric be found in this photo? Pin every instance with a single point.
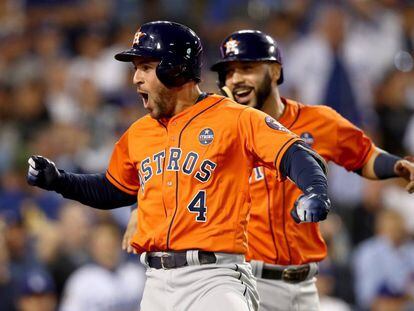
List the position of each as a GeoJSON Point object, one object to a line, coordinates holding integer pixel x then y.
{"type": "Point", "coordinates": [301, 167]}
{"type": "Point", "coordinates": [94, 190]}
{"type": "Point", "coordinates": [339, 93]}
{"type": "Point", "coordinates": [384, 165]}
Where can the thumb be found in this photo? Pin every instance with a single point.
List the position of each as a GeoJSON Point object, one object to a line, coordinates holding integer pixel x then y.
{"type": "Point", "coordinates": [407, 168]}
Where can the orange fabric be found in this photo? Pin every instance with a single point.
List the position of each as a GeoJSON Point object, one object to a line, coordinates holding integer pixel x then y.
{"type": "Point", "coordinates": [273, 235]}
{"type": "Point", "coordinates": [204, 156]}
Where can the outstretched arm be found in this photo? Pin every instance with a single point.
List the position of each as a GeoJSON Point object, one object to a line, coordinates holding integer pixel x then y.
{"type": "Point", "coordinates": [307, 169]}
{"type": "Point", "coordinates": [382, 165]}
{"type": "Point", "coordinates": [94, 190]}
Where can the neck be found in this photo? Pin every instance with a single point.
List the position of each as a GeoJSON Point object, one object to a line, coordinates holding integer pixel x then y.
{"type": "Point", "coordinates": [273, 104]}
{"type": "Point", "coordinates": [186, 97]}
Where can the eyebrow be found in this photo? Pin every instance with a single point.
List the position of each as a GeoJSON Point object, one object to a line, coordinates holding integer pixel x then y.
{"type": "Point", "coordinates": [140, 60]}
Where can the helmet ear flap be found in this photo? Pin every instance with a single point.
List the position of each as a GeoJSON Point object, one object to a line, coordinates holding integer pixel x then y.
{"type": "Point", "coordinates": [221, 78]}
{"type": "Point", "coordinates": [171, 74]}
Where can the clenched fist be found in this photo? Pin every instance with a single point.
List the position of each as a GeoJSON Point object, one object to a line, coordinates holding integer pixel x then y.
{"type": "Point", "coordinates": [405, 169]}
{"type": "Point", "coordinates": [42, 173]}
{"type": "Point", "coordinates": [311, 207]}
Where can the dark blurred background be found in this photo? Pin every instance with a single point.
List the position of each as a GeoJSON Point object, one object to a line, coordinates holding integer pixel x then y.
{"type": "Point", "coordinates": [62, 95]}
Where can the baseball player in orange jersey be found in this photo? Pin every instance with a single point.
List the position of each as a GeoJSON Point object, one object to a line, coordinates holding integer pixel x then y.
{"type": "Point", "coordinates": [283, 254]}
{"type": "Point", "coordinates": [188, 164]}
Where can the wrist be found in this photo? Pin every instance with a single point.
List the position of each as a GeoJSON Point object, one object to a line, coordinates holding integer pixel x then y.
{"type": "Point", "coordinates": [385, 165]}
{"type": "Point", "coordinates": [317, 189]}
{"type": "Point", "coordinates": [60, 181]}
{"type": "Point", "coordinates": [395, 168]}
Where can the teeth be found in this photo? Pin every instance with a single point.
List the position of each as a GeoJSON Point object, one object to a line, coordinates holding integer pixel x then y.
{"type": "Point", "coordinates": [242, 92]}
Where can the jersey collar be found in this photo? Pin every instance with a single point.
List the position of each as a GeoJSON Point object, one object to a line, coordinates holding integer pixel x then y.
{"type": "Point", "coordinates": [198, 108]}
{"type": "Point", "coordinates": [290, 114]}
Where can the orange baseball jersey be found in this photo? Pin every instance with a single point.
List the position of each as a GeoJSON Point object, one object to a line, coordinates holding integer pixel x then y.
{"type": "Point", "coordinates": [191, 175]}
{"type": "Point", "coordinates": [273, 235]}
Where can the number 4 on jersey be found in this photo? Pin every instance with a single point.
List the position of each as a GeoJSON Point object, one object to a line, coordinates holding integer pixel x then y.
{"type": "Point", "coordinates": [198, 205]}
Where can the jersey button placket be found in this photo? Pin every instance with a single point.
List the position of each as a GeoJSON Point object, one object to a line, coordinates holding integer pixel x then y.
{"type": "Point", "coordinates": [170, 175]}
{"type": "Point", "coordinates": [170, 183]}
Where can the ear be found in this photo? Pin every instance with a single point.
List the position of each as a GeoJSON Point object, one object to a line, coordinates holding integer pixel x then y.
{"type": "Point", "coordinates": [275, 70]}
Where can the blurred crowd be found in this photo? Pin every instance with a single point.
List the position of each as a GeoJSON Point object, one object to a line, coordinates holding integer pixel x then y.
{"type": "Point", "coordinates": [62, 95]}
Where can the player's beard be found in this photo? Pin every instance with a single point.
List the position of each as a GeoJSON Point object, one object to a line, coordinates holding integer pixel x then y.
{"type": "Point", "coordinates": [164, 104]}
{"type": "Point", "coordinates": [263, 91]}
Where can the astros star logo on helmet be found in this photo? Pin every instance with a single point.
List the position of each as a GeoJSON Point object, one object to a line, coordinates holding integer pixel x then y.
{"type": "Point", "coordinates": [232, 46]}
{"type": "Point", "coordinates": [137, 36]}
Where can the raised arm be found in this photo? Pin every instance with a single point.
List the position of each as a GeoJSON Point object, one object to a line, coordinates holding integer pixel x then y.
{"type": "Point", "coordinates": [94, 190]}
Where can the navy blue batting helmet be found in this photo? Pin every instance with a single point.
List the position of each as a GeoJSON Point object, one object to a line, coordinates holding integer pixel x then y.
{"type": "Point", "coordinates": [176, 46]}
{"type": "Point", "coordinates": [247, 46]}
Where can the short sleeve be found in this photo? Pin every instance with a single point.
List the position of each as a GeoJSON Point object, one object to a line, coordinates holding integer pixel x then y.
{"type": "Point", "coordinates": [265, 138]}
{"type": "Point", "coordinates": [353, 148]}
{"type": "Point", "coordinates": [122, 172]}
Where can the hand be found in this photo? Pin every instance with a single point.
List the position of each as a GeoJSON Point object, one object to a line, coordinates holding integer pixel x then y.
{"type": "Point", "coordinates": [129, 232]}
{"type": "Point", "coordinates": [405, 169]}
{"type": "Point", "coordinates": [311, 207]}
{"type": "Point", "coordinates": [42, 173]}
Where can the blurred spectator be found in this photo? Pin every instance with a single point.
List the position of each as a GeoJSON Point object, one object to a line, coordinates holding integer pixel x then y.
{"type": "Point", "coordinates": [36, 292]}
{"type": "Point", "coordinates": [70, 251]}
{"type": "Point", "coordinates": [337, 240]}
{"type": "Point", "coordinates": [322, 75]}
{"type": "Point", "coordinates": [9, 135]}
{"type": "Point", "coordinates": [409, 136]}
{"type": "Point", "coordinates": [341, 64]}
{"type": "Point", "coordinates": [95, 63]}
{"type": "Point", "coordinates": [107, 283]}
{"type": "Point", "coordinates": [325, 282]}
{"type": "Point", "coordinates": [6, 280]}
{"type": "Point", "coordinates": [29, 107]}
{"type": "Point", "coordinates": [11, 17]}
{"type": "Point", "coordinates": [362, 222]}
{"type": "Point", "coordinates": [384, 266]}
{"type": "Point", "coordinates": [407, 21]}
{"type": "Point", "coordinates": [395, 197]}
{"type": "Point", "coordinates": [63, 95]}
{"type": "Point", "coordinates": [11, 195]}
{"type": "Point", "coordinates": [394, 112]}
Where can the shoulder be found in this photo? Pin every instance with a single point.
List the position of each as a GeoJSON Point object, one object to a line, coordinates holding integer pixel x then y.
{"type": "Point", "coordinates": [321, 113]}
{"type": "Point", "coordinates": [229, 111]}
{"type": "Point", "coordinates": [143, 122]}
{"type": "Point", "coordinates": [321, 110]}
{"type": "Point", "coordinates": [222, 102]}
{"type": "Point", "coordinates": [312, 111]}
{"type": "Point", "coordinates": [140, 128]}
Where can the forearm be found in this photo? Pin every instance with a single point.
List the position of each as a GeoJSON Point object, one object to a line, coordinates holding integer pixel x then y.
{"type": "Point", "coordinates": [94, 190]}
{"type": "Point", "coordinates": [304, 170]}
